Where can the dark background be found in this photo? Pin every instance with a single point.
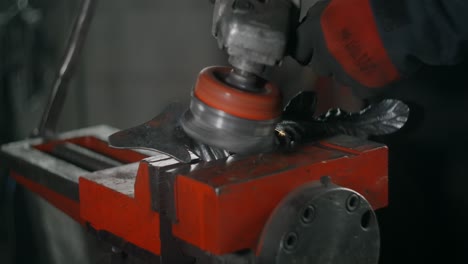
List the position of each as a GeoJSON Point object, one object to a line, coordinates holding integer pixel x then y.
{"type": "Point", "coordinates": [142, 54]}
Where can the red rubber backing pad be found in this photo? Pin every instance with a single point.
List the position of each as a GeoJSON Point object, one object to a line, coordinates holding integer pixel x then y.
{"type": "Point", "coordinates": [219, 95]}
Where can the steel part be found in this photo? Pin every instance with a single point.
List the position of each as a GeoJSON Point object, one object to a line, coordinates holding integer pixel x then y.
{"type": "Point", "coordinates": [245, 81]}
{"type": "Point", "coordinates": [162, 134]}
{"type": "Point", "coordinates": [83, 158]}
{"type": "Point", "coordinates": [254, 33]}
{"type": "Point", "coordinates": [385, 117]}
{"type": "Point", "coordinates": [321, 223]}
{"type": "Point", "coordinates": [207, 153]}
{"type": "Point", "coordinates": [217, 128]}
{"type": "Point", "coordinates": [301, 107]}
{"type": "Point", "coordinates": [165, 135]}
{"type": "Point", "coordinates": [59, 90]}
{"type": "Point", "coordinates": [290, 135]}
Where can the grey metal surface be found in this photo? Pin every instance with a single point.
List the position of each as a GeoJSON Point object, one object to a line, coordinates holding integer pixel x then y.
{"type": "Point", "coordinates": [321, 223]}
{"type": "Point", "coordinates": [164, 134]}
{"type": "Point", "coordinates": [300, 125]}
{"type": "Point", "coordinates": [207, 153]}
{"type": "Point", "coordinates": [163, 174]}
{"type": "Point", "coordinates": [382, 118]}
{"type": "Point", "coordinates": [83, 157]}
{"type": "Point", "coordinates": [217, 128]}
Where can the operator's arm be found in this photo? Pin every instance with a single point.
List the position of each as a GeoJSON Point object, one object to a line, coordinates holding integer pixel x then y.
{"type": "Point", "coordinates": [373, 43]}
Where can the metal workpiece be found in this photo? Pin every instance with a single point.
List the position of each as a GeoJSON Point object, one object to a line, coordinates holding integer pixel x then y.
{"type": "Point", "coordinates": [382, 118]}
{"type": "Point", "coordinates": [300, 125]}
{"type": "Point", "coordinates": [207, 153]}
{"type": "Point", "coordinates": [254, 33]}
{"type": "Point", "coordinates": [163, 173]}
{"type": "Point", "coordinates": [165, 135]}
{"type": "Point", "coordinates": [162, 134]}
{"type": "Point", "coordinates": [215, 127]}
{"type": "Point", "coordinates": [321, 223]}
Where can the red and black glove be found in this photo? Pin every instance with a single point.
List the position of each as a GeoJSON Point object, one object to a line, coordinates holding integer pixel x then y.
{"type": "Point", "coordinates": [373, 43]}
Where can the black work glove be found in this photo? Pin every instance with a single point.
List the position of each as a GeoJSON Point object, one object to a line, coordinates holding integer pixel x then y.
{"type": "Point", "coordinates": [339, 38]}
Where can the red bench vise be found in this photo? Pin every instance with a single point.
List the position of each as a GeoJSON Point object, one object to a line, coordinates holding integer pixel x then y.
{"type": "Point", "coordinates": [272, 208]}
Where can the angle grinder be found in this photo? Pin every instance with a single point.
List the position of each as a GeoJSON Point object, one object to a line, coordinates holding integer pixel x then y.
{"type": "Point", "coordinates": [235, 108]}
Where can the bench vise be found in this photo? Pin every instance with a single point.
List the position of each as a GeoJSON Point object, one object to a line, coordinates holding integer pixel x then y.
{"type": "Point", "coordinates": [315, 205]}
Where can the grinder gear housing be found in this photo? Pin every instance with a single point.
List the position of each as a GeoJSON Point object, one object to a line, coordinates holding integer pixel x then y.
{"type": "Point", "coordinates": [236, 108]}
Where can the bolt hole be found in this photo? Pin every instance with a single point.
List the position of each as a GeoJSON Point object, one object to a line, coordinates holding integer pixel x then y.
{"type": "Point", "coordinates": [290, 241]}
{"type": "Point", "coordinates": [308, 214]}
{"type": "Point", "coordinates": [352, 203]}
{"type": "Point", "coordinates": [366, 219]}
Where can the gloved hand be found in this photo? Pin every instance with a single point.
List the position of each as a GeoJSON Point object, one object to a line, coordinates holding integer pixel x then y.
{"type": "Point", "coordinates": [340, 38]}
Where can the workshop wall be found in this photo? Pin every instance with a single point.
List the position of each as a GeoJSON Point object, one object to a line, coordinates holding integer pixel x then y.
{"type": "Point", "coordinates": [142, 54]}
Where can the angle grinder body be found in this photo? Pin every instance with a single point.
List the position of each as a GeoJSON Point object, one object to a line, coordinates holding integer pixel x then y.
{"type": "Point", "coordinates": [235, 108]}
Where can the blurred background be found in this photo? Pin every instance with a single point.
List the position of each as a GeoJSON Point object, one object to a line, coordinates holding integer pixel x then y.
{"type": "Point", "coordinates": [142, 54]}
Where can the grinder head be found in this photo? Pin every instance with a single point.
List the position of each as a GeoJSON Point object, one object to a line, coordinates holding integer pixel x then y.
{"type": "Point", "coordinates": [234, 111]}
